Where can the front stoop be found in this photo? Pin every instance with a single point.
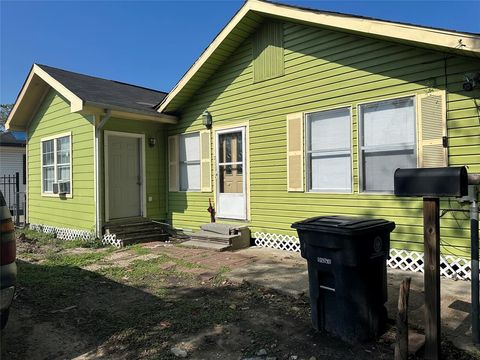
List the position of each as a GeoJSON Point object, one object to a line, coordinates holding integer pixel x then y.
{"type": "Point", "coordinates": [220, 237]}
{"type": "Point", "coordinates": [136, 230]}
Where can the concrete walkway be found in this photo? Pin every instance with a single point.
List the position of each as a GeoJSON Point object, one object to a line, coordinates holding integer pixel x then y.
{"type": "Point", "coordinates": [287, 272]}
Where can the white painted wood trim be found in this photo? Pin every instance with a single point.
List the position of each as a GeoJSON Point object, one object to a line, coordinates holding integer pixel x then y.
{"type": "Point", "coordinates": [307, 167]}
{"type": "Point", "coordinates": [54, 137]}
{"type": "Point", "coordinates": [246, 166]}
{"type": "Point", "coordinates": [143, 191]}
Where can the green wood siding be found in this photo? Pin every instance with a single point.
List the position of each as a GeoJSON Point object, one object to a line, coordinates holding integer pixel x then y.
{"type": "Point", "coordinates": [155, 162]}
{"type": "Point", "coordinates": [330, 69]}
{"type": "Point", "coordinates": [78, 212]}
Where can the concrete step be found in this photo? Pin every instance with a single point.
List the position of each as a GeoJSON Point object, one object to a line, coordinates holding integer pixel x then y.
{"type": "Point", "coordinates": [208, 236]}
{"type": "Point", "coordinates": [222, 229]}
{"type": "Point", "coordinates": [206, 245]}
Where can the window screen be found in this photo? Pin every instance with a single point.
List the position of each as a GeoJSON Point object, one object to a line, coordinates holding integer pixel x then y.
{"type": "Point", "coordinates": [190, 162]}
{"type": "Point", "coordinates": [329, 151]}
{"type": "Point", "coordinates": [387, 142]}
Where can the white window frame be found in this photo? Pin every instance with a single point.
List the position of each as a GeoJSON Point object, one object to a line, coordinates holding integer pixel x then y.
{"type": "Point", "coordinates": [361, 148]}
{"type": "Point", "coordinates": [332, 152]}
{"type": "Point", "coordinates": [191, 162]}
{"type": "Point", "coordinates": [55, 164]}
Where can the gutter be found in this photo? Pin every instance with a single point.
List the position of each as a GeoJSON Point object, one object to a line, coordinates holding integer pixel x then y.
{"type": "Point", "coordinates": [98, 168]}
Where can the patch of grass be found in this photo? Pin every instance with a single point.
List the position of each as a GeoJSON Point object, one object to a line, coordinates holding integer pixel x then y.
{"type": "Point", "coordinates": [139, 249]}
{"type": "Point", "coordinates": [43, 239]}
{"type": "Point", "coordinates": [78, 260]}
{"type": "Point", "coordinates": [144, 270]}
{"type": "Point", "coordinates": [36, 236]}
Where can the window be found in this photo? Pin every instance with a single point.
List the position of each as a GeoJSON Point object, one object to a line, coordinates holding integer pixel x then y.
{"type": "Point", "coordinates": [56, 164]}
{"type": "Point", "coordinates": [328, 151]}
{"type": "Point", "coordinates": [189, 162]}
{"type": "Point", "coordinates": [387, 142]}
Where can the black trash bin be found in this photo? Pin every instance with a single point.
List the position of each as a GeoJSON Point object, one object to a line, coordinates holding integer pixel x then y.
{"type": "Point", "coordinates": [347, 274]}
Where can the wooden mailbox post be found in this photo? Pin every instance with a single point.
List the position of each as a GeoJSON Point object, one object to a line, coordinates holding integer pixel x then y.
{"type": "Point", "coordinates": [431, 184]}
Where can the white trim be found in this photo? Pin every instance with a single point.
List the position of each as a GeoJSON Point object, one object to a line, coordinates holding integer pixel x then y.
{"type": "Point", "coordinates": [454, 41]}
{"type": "Point", "coordinates": [76, 104]}
{"type": "Point", "coordinates": [180, 136]}
{"type": "Point", "coordinates": [55, 137]}
{"type": "Point", "coordinates": [307, 167]}
{"type": "Point", "coordinates": [218, 132]}
{"type": "Point", "coordinates": [143, 191]}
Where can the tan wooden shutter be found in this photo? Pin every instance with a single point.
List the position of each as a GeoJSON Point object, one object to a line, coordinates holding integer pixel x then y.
{"type": "Point", "coordinates": [173, 163]}
{"type": "Point", "coordinates": [205, 158]}
{"type": "Point", "coordinates": [295, 152]}
{"type": "Point", "coordinates": [432, 127]}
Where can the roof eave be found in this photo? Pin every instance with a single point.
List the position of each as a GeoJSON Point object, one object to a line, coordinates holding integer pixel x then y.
{"type": "Point", "coordinates": [129, 113]}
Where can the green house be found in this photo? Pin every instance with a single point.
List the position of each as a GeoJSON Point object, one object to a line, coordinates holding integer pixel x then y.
{"type": "Point", "coordinates": [289, 113]}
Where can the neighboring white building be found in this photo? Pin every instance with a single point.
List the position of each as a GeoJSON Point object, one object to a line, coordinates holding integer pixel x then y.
{"type": "Point", "coordinates": [12, 160]}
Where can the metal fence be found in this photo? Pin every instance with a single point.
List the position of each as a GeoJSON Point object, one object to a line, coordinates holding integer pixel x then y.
{"type": "Point", "coordinates": [15, 199]}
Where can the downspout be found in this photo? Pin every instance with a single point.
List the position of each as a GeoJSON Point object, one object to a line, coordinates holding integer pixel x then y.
{"type": "Point", "coordinates": [474, 181]}
{"type": "Point", "coordinates": [98, 171]}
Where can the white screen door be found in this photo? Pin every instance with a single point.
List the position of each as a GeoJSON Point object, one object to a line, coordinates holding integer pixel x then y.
{"type": "Point", "coordinates": [231, 187]}
{"type": "Point", "coordinates": [124, 177]}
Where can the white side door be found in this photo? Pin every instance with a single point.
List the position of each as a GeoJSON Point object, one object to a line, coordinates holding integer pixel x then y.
{"type": "Point", "coordinates": [230, 166]}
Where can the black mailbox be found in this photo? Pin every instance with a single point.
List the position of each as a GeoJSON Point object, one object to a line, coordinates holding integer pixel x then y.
{"type": "Point", "coordinates": [431, 182]}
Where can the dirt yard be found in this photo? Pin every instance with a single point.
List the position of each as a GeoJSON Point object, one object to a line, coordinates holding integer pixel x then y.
{"type": "Point", "coordinates": [77, 300]}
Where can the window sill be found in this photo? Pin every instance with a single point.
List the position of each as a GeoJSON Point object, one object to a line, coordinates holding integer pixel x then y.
{"type": "Point", "coordinates": [52, 195]}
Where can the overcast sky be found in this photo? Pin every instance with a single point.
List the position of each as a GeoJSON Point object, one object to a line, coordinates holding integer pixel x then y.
{"type": "Point", "coordinates": [153, 43]}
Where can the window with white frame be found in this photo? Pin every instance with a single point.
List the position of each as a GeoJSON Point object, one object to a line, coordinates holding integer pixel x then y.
{"type": "Point", "coordinates": [329, 151]}
{"type": "Point", "coordinates": [189, 162]}
{"type": "Point", "coordinates": [56, 163]}
{"type": "Point", "coordinates": [387, 142]}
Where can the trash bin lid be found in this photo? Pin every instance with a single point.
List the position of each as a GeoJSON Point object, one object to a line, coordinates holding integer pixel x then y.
{"type": "Point", "coordinates": [344, 225]}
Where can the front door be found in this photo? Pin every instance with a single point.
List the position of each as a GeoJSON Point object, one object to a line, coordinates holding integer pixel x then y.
{"type": "Point", "coordinates": [124, 176]}
{"type": "Point", "coordinates": [231, 188]}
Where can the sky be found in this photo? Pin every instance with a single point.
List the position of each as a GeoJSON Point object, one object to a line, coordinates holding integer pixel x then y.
{"type": "Point", "coordinates": [153, 43]}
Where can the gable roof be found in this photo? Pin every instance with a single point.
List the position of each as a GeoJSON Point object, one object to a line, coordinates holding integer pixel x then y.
{"type": "Point", "coordinates": [95, 90]}
{"type": "Point", "coordinates": [84, 93]}
{"type": "Point", "coordinates": [253, 12]}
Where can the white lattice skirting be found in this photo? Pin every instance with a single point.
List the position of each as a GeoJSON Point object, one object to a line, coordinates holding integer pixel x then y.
{"type": "Point", "coordinates": [450, 266]}
{"type": "Point", "coordinates": [64, 233]}
{"type": "Point", "coordinates": [111, 239]}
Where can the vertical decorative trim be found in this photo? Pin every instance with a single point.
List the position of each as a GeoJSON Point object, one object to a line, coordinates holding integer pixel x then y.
{"type": "Point", "coordinates": [268, 53]}
{"type": "Point", "coordinates": [173, 164]}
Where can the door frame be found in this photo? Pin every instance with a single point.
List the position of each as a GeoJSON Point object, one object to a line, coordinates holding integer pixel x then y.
{"type": "Point", "coordinates": [246, 168]}
{"type": "Point", "coordinates": [141, 154]}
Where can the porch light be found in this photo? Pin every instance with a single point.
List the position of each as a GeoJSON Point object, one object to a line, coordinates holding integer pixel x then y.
{"type": "Point", "coordinates": [207, 119]}
{"type": "Point", "coordinates": [152, 142]}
